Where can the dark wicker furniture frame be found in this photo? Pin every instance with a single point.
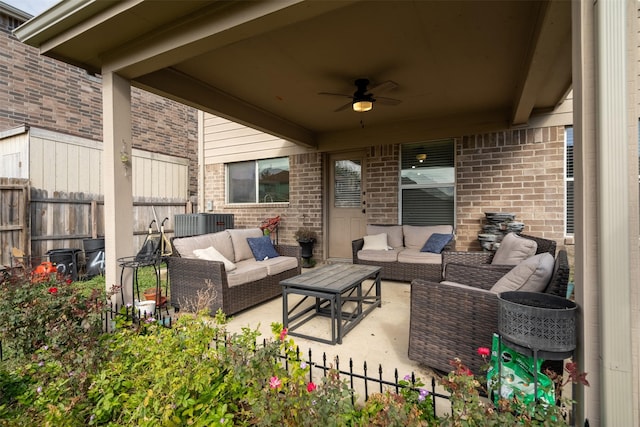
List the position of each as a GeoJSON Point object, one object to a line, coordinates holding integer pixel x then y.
{"type": "Point", "coordinates": [187, 276]}
{"type": "Point", "coordinates": [449, 321]}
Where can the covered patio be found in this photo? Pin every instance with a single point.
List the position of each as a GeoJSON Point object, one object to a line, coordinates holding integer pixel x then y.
{"type": "Point", "coordinates": [460, 67]}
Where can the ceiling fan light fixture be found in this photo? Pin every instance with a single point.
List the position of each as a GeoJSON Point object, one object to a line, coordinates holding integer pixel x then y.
{"type": "Point", "coordinates": [362, 106]}
{"type": "Point", "coordinates": [421, 157]}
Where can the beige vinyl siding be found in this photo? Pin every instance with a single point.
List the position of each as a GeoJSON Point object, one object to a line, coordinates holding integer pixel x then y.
{"type": "Point", "coordinates": [14, 153]}
{"type": "Point", "coordinates": [71, 164]}
{"type": "Point", "coordinates": [159, 175]}
{"type": "Point", "coordinates": [226, 141]}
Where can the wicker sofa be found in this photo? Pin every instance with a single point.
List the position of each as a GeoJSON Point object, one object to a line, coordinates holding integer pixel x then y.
{"type": "Point", "coordinates": [455, 317]}
{"type": "Point", "coordinates": [250, 282]}
{"type": "Point", "coordinates": [403, 259]}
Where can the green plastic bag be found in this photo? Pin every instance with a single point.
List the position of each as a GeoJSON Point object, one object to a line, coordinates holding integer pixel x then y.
{"type": "Point", "coordinates": [517, 377]}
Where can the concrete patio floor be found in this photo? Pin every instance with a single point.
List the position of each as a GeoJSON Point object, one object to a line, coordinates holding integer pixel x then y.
{"type": "Point", "coordinates": [381, 339]}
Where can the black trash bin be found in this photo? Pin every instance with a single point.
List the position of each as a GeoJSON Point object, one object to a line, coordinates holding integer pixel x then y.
{"type": "Point", "coordinates": [94, 257]}
{"type": "Point", "coordinates": [66, 261]}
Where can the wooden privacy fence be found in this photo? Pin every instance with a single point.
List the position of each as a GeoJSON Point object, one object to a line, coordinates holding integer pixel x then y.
{"type": "Point", "coordinates": [15, 230]}
{"type": "Point", "coordinates": [36, 222]}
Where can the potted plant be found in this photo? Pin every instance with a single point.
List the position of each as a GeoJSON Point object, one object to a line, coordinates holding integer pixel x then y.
{"type": "Point", "coordinates": [306, 237]}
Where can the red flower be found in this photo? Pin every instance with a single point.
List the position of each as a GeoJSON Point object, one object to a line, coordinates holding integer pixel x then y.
{"type": "Point", "coordinates": [311, 386]}
{"type": "Point", "coordinates": [68, 281]}
{"type": "Point", "coordinates": [484, 351]}
{"type": "Point", "coordinates": [53, 290]}
{"type": "Point", "coordinates": [283, 334]}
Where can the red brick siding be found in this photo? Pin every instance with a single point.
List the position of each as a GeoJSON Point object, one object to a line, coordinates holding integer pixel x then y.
{"type": "Point", "coordinates": [381, 184]}
{"type": "Point", "coordinates": [305, 200]}
{"type": "Point", "coordinates": [42, 92]}
{"type": "Point", "coordinates": [519, 171]}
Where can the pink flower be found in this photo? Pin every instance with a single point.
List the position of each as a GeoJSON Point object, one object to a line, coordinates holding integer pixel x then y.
{"type": "Point", "coordinates": [275, 382]}
{"type": "Point", "coordinates": [311, 386]}
{"type": "Point", "coordinates": [283, 334]}
{"type": "Point", "coordinates": [53, 290]}
{"type": "Point", "coordinates": [484, 351]}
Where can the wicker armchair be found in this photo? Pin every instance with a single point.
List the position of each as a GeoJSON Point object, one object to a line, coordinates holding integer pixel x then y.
{"type": "Point", "coordinates": [451, 320]}
{"type": "Point", "coordinates": [477, 264]}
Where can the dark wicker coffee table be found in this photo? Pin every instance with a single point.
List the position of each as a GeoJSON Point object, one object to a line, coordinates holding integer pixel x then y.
{"type": "Point", "coordinates": [339, 295]}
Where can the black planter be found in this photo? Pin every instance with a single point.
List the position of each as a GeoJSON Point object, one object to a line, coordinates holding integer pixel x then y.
{"type": "Point", "coordinates": [307, 252]}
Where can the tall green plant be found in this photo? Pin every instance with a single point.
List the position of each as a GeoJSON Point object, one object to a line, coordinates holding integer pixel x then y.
{"type": "Point", "coordinates": [50, 330]}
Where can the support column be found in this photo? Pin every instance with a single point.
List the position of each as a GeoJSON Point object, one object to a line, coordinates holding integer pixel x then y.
{"type": "Point", "coordinates": [118, 193]}
{"type": "Point", "coordinates": [613, 137]}
{"type": "Point", "coordinates": [587, 290]}
{"type": "Point", "coordinates": [606, 199]}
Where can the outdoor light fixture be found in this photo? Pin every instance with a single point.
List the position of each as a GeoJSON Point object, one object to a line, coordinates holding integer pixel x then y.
{"type": "Point", "coordinates": [421, 157]}
{"type": "Point", "coordinates": [362, 105]}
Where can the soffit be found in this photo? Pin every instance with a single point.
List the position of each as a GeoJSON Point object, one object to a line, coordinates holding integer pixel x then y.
{"type": "Point", "coordinates": [492, 63]}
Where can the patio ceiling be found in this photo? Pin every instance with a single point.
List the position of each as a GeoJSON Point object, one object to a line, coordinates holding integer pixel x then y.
{"type": "Point", "coordinates": [465, 65]}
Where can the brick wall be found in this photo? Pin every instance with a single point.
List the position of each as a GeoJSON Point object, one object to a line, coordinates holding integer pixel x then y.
{"type": "Point", "coordinates": [381, 184]}
{"type": "Point", "coordinates": [42, 92]}
{"type": "Point", "coordinates": [303, 210]}
{"type": "Point", "coordinates": [519, 171]}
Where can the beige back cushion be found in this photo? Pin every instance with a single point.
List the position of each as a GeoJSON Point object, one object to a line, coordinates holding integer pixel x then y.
{"type": "Point", "coordinates": [514, 249]}
{"type": "Point", "coordinates": [415, 236]}
{"type": "Point", "coordinates": [394, 234]}
{"type": "Point", "coordinates": [220, 240]}
{"type": "Point", "coordinates": [531, 275]}
{"type": "Point", "coordinates": [241, 247]}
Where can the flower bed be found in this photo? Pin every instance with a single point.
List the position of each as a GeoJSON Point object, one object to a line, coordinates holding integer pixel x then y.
{"type": "Point", "coordinates": [68, 372]}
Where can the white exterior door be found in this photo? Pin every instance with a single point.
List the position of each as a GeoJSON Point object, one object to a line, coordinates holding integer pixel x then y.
{"type": "Point", "coordinates": [347, 202]}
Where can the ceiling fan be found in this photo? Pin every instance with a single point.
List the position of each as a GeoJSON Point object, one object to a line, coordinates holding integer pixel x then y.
{"type": "Point", "coordinates": [362, 99]}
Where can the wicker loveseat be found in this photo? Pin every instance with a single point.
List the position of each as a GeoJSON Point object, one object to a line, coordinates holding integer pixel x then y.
{"type": "Point", "coordinates": [403, 260]}
{"type": "Point", "coordinates": [250, 282]}
{"type": "Point", "coordinates": [455, 317]}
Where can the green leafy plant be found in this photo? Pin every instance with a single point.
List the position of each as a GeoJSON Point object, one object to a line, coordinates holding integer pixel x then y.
{"type": "Point", "coordinates": [50, 330]}
{"type": "Point", "coordinates": [469, 408]}
{"type": "Point", "coordinates": [305, 234]}
{"type": "Point", "coordinates": [64, 370]}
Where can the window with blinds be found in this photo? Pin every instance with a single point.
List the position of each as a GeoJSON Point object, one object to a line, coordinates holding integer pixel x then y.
{"type": "Point", "coordinates": [347, 183]}
{"type": "Point", "coordinates": [568, 136]}
{"type": "Point", "coordinates": [427, 188]}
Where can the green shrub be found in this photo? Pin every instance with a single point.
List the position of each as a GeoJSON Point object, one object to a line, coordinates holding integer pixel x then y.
{"type": "Point", "coordinates": [64, 371]}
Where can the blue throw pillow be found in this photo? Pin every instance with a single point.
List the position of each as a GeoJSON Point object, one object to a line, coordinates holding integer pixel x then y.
{"type": "Point", "coordinates": [436, 243]}
{"type": "Point", "coordinates": [262, 248]}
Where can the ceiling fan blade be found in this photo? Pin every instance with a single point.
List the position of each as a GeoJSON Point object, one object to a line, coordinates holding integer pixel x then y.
{"type": "Point", "coordinates": [344, 107]}
{"type": "Point", "coordinates": [335, 94]}
{"type": "Point", "coordinates": [387, 101]}
{"type": "Point", "coordinates": [383, 87]}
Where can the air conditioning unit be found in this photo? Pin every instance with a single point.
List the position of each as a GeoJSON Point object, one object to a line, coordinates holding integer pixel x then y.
{"type": "Point", "coordinates": [201, 223]}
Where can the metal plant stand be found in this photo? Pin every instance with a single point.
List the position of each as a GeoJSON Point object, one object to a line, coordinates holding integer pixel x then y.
{"type": "Point", "coordinates": [536, 324]}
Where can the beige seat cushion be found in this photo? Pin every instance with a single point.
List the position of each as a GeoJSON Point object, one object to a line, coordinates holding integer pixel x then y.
{"type": "Point", "coordinates": [514, 249]}
{"type": "Point", "coordinates": [212, 254]}
{"type": "Point", "coordinates": [415, 236]}
{"type": "Point", "coordinates": [532, 275]}
{"type": "Point", "coordinates": [394, 234]}
{"type": "Point", "coordinates": [279, 264]}
{"type": "Point", "coordinates": [247, 271]}
{"type": "Point", "coordinates": [241, 248]}
{"type": "Point", "coordinates": [414, 256]}
{"type": "Point", "coordinates": [376, 242]}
